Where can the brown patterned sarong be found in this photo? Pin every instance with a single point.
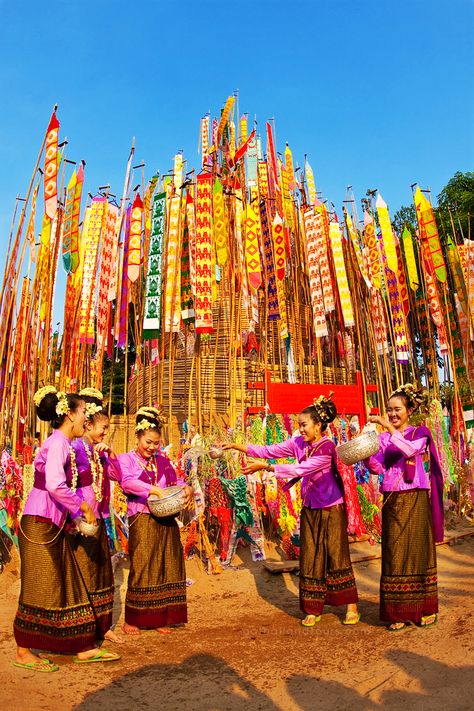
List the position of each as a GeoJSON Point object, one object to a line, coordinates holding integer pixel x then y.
{"type": "Point", "coordinates": [409, 582]}
{"type": "Point", "coordinates": [156, 592]}
{"type": "Point", "coordinates": [93, 559]}
{"type": "Point", "coordinates": [326, 576]}
{"type": "Point", "coordinates": [54, 612]}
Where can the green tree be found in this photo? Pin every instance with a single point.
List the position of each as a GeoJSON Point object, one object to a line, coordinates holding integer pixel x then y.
{"type": "Point", "coordinates": [455, 210]}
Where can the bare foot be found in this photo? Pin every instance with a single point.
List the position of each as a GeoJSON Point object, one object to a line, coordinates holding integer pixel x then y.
{"type": "Point", "coordinates": [130, 629]}
{"type": "Point", "coordinates": [164, 630]}
{"type": "Point", "coordinates": [112, 637]}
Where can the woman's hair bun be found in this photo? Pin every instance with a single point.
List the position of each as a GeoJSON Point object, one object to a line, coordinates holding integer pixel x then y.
{"type": "Point", "coordinates": [325, 408]}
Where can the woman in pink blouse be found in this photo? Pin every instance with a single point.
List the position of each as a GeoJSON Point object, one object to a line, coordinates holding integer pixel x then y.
{"type": "Point", "coordinates": [54, 610]}
{"type": "Point", "coordinates": [95, 464]}
{"type": "Point", "coordinates": [412, 513]}
{"type": "Point", "coordinates": [156, 591]}
{"type": "Point", "coordinates": [326, 575]}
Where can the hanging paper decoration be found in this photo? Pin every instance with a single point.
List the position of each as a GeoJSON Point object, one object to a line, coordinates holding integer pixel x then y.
{"type": "Point", "coordinates": [92, 230]}
{"type": "Point", "coordinates": [373, 252]}
{"type": "Point", "coordinates": [224, 118]}
{"type": "Point", "coordinates": [341, 276]}
{"type": "Point", "coordinates": [290, 172]}
{"type": "Point", "coordinates": [67, 225]}
{"type": "Point", "coordinates": [30, 231]}
{"type": "Point", "coordinates": [191, 225]}
{"type": "Point", "coordinates": [323, 260]}
{"type": "Point", "coordinates": [432, 297]}
{"type": "Point", "coordinates": [466, 258]}
{"type": "Point", "coordinates": [263, 179]}
{"type": "Point", "coordinates": [187, 310]}
{"type": "Point", "coordinates": [134, 246]}
{"type": "Point", "coordinates": [252, 249]}
{"type": "Point", "coordinates": [311, 184]}
{"type": "Point", "coordinates": [387, 233]}
{"type": "Point", "coordinates": [147, 207]}
{"type": "Point", "coordinates": [204, 139]}
{"type": "Point", "coordinates": [103, 304]}
{"type": "Point", "coordinates": [220, 224]}
{"type": "Point", "coordinates": [122, 305]}
{"type": "Point", "coordinates": [457, 275]}
{"type": "Point", "coordinates": [172, 311]}
{"type": "Point", "coordinates": [402, 282]}
{"type": "Point", "coordinates": [244, 147]}
{"type": "Point", "coordinates": [317, 301]}
{"type": "Point", "coordinates": [252, 160]}
{"type": "Point", "coordinates": [396, 308]}
{"type": "Point", "coordinates": [429, 236]}
{"type": "Point", "coordinates": [203, 301]}
{"type": "Point", "coordinates": [356, 244]}
{"type": "Point", "coordinates": [76, 209]}
{"type": "Point", "coordinates": [152, 318]}
{"type": "Point", "coordinates": [51, 168]}
{"type": "Point", "coordinates": [240, 268]}
{"type": "Point", "coordinates": [243, 128]}
{"type": "Point", "coordinates": [410, 259]}
{"type": "Point", "coordinates": [272, 301]}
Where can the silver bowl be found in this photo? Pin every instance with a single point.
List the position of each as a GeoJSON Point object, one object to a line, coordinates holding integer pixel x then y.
{"type": "Point", "coordinates": [361, 447]}
{"type": "Point", "coordinates": [88, 529]}
{"type": "Point", "coordinates": [169, 504]}
{"type": "Point", "coordinates": [216, 452]}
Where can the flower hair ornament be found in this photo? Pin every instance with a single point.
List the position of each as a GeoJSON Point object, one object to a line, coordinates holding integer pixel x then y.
{"type": "Point", "coordinates": [62, 408]}
{"type": "Point", "coordinates": [144, 424]}
{"type": "Point", "coordinates": [415, 396]}
{"type": "Point", "coordinates": [155, 413]}
{"type": "Point", "coordinates": [91, 392]}
{"type": "Point", "coordinates": [320, 405]}
{"type": "Point", "coordinates": [41, 394]}
{"type": "Point", "coordinates": [92, 409]}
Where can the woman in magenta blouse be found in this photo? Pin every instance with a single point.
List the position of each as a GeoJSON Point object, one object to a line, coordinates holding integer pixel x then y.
{"type": "Point", "coordinates": [95, 465]}
{"type": "Point", "coordinates": [412, 513]}
{"type": "Point", "coordinates": [326, 575]}
{"type": "Point", "coordinates": [156, 591]}
{"type": "Point", "coordinates": [54, 611]}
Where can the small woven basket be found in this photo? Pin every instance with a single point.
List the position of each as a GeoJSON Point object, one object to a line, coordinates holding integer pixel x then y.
{"type": "Point", "coordinates": [170, 504]}
{"type": "Point", "coordinates": [361, 447]}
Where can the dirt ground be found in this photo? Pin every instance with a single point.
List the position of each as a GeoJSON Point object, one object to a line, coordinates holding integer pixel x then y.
{"type": "Point", "coordinates": [244, 648]}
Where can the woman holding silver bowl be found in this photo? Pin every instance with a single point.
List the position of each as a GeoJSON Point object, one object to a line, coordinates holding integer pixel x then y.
{"type": "Point", "coordinates": [156, 592]}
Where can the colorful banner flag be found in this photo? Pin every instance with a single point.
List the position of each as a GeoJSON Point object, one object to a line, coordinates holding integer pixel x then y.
{"type": "Point", "coordinates": [335, 238]}
{"type": "Point", "coordinates": [429, 236]}
{"type": "Point", "coordinates": [317, 300]}
{"type": "Point", "coordinates": [203, 301]}
{"type": "Point", "coordinates": [51, 168]}
{"type": "Point", "coordinates": [152, 318]}
{"type": "Point", "coordinates": [252, 248]}
{"type": "Point", "coordinates": [135, 241]}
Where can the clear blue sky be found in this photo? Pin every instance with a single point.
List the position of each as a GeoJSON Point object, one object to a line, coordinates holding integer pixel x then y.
{"type": "Point", "coordinates": [378, 93]}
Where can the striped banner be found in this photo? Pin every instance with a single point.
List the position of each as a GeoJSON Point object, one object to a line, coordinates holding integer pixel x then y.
{"type": "Point", "coordinates": [152, 315]}
{"type": "Point", "coordinates": [203, 301]}
{"type": "Point", "coordinates": [252, 248]}
{"type": "Point", "coordinates": [335, 238]}
{"type": "Point", "coordinates": [91, 236]}
{"type": "Point", "coordinates": [316, 289]}
{"type": "Point", "coordinates": [51, 168]}
{"type": "Point", "coordinates": [172, 310]}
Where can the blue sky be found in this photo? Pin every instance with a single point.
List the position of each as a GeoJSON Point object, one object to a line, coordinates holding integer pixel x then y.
{"type": "Point", "coordinates": [377, 94]}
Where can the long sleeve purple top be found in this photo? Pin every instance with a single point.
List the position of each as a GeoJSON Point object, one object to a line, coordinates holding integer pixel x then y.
{"type": "Point", "coordinates": [315, 467]}
{"type": "Point", "coordinates": [136, 481]}
{"type": "Point", "coordinates": [51, 497]}
{"type": "Point", "coordinates": [111, 470]}
{"type": "Point", "coordinates": [391, 457]}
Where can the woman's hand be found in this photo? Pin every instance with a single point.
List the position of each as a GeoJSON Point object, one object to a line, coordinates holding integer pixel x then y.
{"type": "Point", "coordinates": [88, 512]}
{"type": "Point", "coordinates": [188, 496]}
{"type": "Point", "coordinates": [156, 491]}
{"type": "Point", "coordinates": [253, 467]}
{"type": "Point", "coordinates": [233, 445]}
{"type": "Point", "coordinates": [102, 448]}
{"type": "Point", "coordinates": [379, 420]}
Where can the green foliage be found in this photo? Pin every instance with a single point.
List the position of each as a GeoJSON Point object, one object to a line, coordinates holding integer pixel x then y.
{"type": "Point", "coordinates": [405, 217]}
{"type": "Point", "coordinates": [455, 208]}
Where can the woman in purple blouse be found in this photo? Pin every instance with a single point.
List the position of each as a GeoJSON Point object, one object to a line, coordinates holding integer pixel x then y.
{"type": "Point", "coordinates": [95, 465]}
{"type": "Point", "coordinates": [326, 575]}
{"type": "Point", "coordinates": [412, 513]}
{"type": "Point", "coordinates": [156, 591]}
{"type": "Point", "coordinates": [54, 610]}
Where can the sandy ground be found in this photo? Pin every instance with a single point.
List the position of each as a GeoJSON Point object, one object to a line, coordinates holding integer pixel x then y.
{"type": "Point", "coordinates": [244, 648]}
